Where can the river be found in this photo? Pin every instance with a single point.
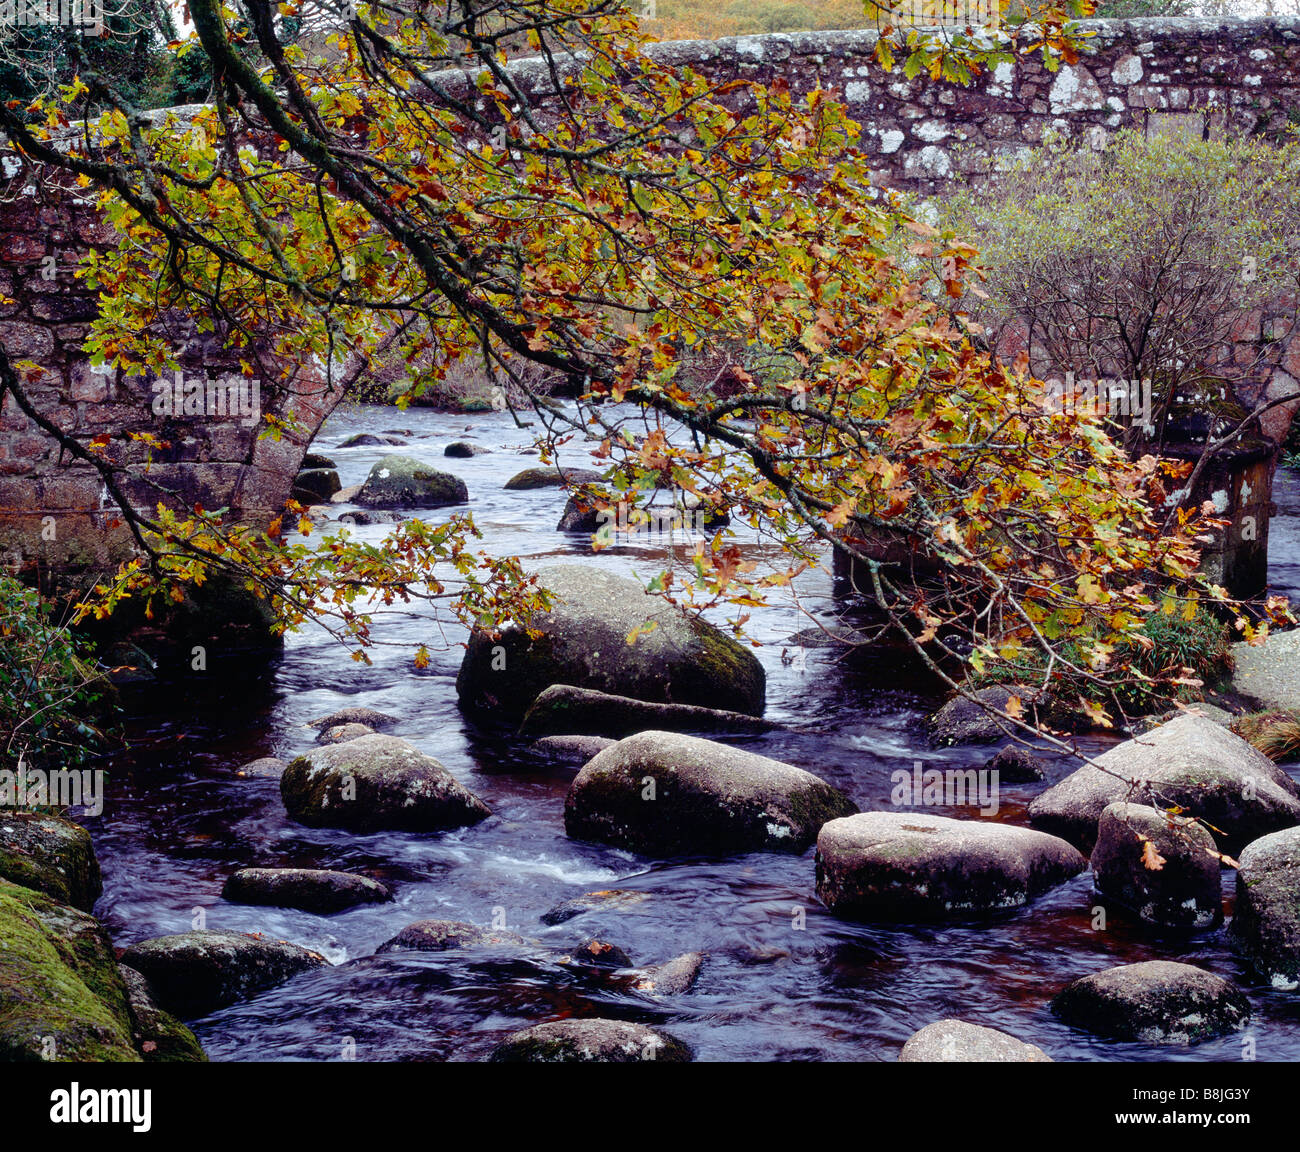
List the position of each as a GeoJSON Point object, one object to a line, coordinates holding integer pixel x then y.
{"type": "Point", "coordinates": [178, 820]}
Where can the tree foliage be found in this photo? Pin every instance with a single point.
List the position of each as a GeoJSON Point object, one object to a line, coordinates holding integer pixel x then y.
{"type": "Point", "coordinates": [607, 217]}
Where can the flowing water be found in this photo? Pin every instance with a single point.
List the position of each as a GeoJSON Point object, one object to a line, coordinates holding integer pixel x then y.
{"type": "Point", "coordinates": [775, 985]}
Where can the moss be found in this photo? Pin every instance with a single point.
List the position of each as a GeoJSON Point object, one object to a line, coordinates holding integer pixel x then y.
{"type": "Point", "coordinates": [158, 1035]}
{"type": "Point", "coordinates": [726, 662]}
{"type": "Point", "coordinates": [59, 985]}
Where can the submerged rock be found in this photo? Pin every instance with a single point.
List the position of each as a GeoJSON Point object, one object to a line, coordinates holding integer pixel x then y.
{"type": "Point", "coordinates": [1164, 868]}
{"type": "Point", "coordinates": [377, 782]}
{"type": "Point", "coordinates": [405, 482]}
{"type": "Point", "coordinates": [158, 1035]}
{"type": "Point", "coordinates": [964, 721]}
{"type": "Point", "coordinates": [956, 1041]}
{"type": "Point", "coordinates": [564, 708]}
{"type": "Point", "coordinates": [1015, 765]}
{"type": "Point", "coordinates": [463, 450]}
{"type": "Point", "coordinates": [1156, 1002]}
{"type": "Point", "coordinates": [1192, 763]}
{"type": "Point", "coordinates": [590, 1041]}
{"type": "Point", "coordinates": [671, 978]}
{"type": "Point", "coordinates": [268, 767]}
{"type": "Point", "coordinates": [367, 716]}
{"type": "Point", "coordinates": [908, 865]}
{"type": "Point", "coordinates": [1265, 927]}
{"type": "Point", "coordinates": [553, 477]}
{"type": "Point", "coordinates": [310, 889]}
{"type": "Point", "coordinates": [51, 855]}
{"type": "Point", "coordinates": [609, 899]}
{"type": "Point", "coordinates": [571, 749]}
{"type": "Point", "coordinates": [61, 995]}
{"type": "Point", "coordinates": [444, 935]}
{"type": "Point", "coordinates": [583, 641]}
{"type": "Point", "coordinates": [315, 486]}
{"type": "Point", "coordinates": [194, 973]}
{"type": "Point", "coordinates": [370, 439]}
{"type": "Point", "coordinates": [665, 794]}
{"type": "Point", "coordinates": [342, 732]}
{"type": "Point", "coordinates": [601, 953]}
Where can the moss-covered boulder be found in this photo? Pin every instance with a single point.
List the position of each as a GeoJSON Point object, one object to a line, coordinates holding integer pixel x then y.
{"type": "Point", "coordinates": [582, 640]}
{"type": "Point", "coordinates": [315, 485]}
{"type": "Point", "coordinates": [914, 866]}
{"type": "Point", "coordinates": [318, 890]}
{"type": "Point", "coordinates": [377, 782]}
{"type": "Point", "coordinates": [51, 855]}
{"type": "Point", "coordinates": [405, 482]}
{"type": "Point", "coordinates": [194, 973]}
{"type": "Point", "coordinates": [553, 477]}
{"type": "Point", "coordinates": [665, 794]}
{"type": "Point", "coordinates": [590, 1041]}
{"type": "Point", "coordinates": [61, 995]}
{"type": "Point", "coordinates": [1156, 1002]}
{"type": "Point", "coordinates": [159, 1036]}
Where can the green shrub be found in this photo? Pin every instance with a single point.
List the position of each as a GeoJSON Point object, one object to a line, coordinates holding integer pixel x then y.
{"type": "Point", "coordinates": [1199, 648]}
{"type": "Point", "coordinates": [48, 686]}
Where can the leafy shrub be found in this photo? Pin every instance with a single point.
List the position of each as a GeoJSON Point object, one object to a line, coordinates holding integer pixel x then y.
{"type": "Point", "coordinates": [48, 686]}
{"type": "Point", "coordinates": [1179, 649]}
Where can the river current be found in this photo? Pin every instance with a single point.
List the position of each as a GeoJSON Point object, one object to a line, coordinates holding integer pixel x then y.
{"type": "Point", "coordinates": [776, 984]}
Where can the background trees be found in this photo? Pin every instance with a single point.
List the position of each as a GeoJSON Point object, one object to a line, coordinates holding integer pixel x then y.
{"type": "Point", "coordinates": [1142, 261]}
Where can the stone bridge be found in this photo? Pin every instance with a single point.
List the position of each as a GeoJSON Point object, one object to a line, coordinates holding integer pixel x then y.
{"type": "Point", "coordinates": [1203, 78]}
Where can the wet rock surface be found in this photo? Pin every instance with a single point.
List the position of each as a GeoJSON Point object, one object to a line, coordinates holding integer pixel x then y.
{"type": "Point", "coordinates": [590, 1041]}
{"type": "Point", "coordinates": [563, 708]}
{"type": "Point", "coordinates": [956, 1041]}
{"type": "Point", "coordinates": [405, 482]}
{"type": "Point", "coordinates": [375, 782]}
{"type": "Point", "coordinates": [909, 865]}
{"type": "Point", "coordinates": [194, 973]}
{"type": "Point", "coordinates": [320, 890]}
{"type": "Point", "coordinates": [1265, 928]}
{"type": "Point", "coordinates": [1156, 1002]}
{"type": "Point", "coordinates": [1163, 868]}
{"type": "Point", "coordinates": [706, 797]}
{"type": "Point", "coordinates": [1192, 763]}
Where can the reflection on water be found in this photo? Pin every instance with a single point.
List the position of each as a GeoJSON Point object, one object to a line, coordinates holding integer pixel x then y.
{"type": "Point", "coordinates": [178, 821]}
